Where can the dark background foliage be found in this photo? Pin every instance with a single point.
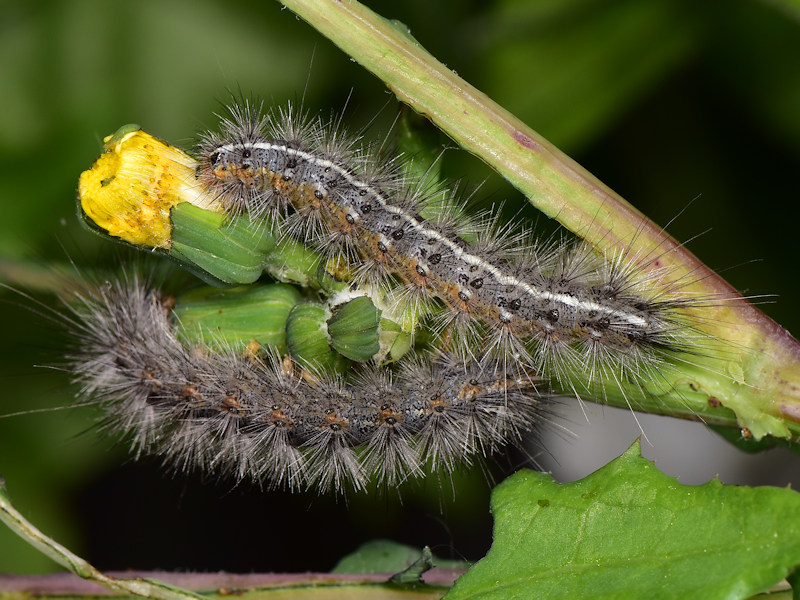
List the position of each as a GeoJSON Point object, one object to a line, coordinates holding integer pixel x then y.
{"type": "Point", "coordinates": [675, 104]}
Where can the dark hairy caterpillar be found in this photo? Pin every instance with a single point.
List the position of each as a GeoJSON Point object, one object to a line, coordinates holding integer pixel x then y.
{"type": "Point", "coordinates": [262, 418]}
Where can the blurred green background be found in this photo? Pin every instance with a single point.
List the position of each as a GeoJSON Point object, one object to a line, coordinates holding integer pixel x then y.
{"type": "Point", "coordinates": [675, 104]}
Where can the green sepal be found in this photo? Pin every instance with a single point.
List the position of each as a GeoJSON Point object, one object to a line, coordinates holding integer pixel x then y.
{"type": "Point", "coordinates": [328, 281]}
{"type": "Point", "coordinates": [308, 341]}
{"type": "Point", "coordinates": [292, 262]}
{"type": "Point", "coordinates": [403, 344]}
{"type": "Point", "coordinates": [354, 329]}
{"type": "Point", "coordinates": [232, 251]}
{"type": "Point", "coordinates": [234, 317]}
{"type": "Point", "coordinates": [121, 133]}
{"type": "Point", "coordinates": [394, 340]}
{"type": "Point", "coordinates": [175, 256]}
{"type": "Point", "coordinates": [236, 251]}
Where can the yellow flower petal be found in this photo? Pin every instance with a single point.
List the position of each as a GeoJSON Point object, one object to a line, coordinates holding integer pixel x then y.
{"type": "Point", "coordinates": [131, 188]}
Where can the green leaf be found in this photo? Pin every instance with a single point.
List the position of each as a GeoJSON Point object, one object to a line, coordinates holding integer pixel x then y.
{"type": "Point", "coordinates": [629, 531]}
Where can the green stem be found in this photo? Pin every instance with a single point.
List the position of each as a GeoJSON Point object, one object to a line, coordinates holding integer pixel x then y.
{"type": "Point", "coordinates": [754, 371]}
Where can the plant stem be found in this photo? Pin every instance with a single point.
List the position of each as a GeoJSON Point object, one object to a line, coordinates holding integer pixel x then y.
{"type": "Point", "coordinates": [754, 369]}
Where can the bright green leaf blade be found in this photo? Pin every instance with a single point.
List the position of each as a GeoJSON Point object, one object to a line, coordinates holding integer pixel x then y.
{"type": "Point", "coordinates": [629, 531]}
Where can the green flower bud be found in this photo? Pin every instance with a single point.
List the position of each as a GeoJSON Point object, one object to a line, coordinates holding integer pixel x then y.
{"type": "Point", "coordinates": [308, 341]}
{"type": "Point", "coordinates": [237, 316]}
{"type": "Point", "coordinates": [231, 253]}
{"type": "Point", "coordinates": [354, 329]}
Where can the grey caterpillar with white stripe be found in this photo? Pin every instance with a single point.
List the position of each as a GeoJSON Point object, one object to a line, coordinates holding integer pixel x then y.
{"type": "Point", "coordinates": [555, 310]}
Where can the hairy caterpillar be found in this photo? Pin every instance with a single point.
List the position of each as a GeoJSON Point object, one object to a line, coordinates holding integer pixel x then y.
{"type": "Point", "coordinates": [518, 317]}
{"type": "Point", "coordinates": [556, 310]}
{"type": "Point", "coordinates": [267, 420]}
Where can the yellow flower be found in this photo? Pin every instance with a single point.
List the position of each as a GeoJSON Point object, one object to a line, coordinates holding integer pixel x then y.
{"type": "Point", "coordinates": [131, 188]}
